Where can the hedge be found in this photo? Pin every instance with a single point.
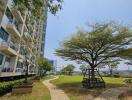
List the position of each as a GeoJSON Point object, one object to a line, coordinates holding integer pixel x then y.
{"type": "Point", "coordinates": [6, 87]}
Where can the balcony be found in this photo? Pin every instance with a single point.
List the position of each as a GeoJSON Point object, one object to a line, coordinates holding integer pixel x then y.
{"type": "Point", "coordinates": [27, 36]}
{"type": "Point", "coordinates": [13, 29]}
{"type": "Point", "coordinates": [7, 74]}
{"type": "Point", "coordinates": [8, 48]}
{"type": "Point", "coordinates": [7, 70]}
{"type": "Point", "coordinates": [17, 14]}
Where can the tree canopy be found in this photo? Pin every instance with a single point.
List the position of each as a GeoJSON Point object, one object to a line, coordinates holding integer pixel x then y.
{"type": "Point", "coordinates": [69, 68]}
{"type": "Point", "coordinates": [43, 65]}
{"type": "Point", "coordinates": [96, 46]}
{"type": "Point", "coordinates": [127, 55]}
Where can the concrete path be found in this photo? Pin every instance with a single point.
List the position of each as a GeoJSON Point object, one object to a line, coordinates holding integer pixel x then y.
{"type": "Point", "coordinates": [113, 93]}
{"type": "Point", "coordinates": [56, 94]}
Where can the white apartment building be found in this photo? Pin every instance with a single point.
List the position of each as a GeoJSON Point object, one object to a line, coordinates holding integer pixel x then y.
{"type": "Point", "coordinates": [17, 28]}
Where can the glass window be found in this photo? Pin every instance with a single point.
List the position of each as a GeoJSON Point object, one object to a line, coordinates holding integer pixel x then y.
{"type": "Point", "coordinates": [19, 64]}
{"type": "Point", "coordinates": [9, 15]}
{"type": "Point", "coordinates": [42, 47]}
{"type": "Point", "coordinates": [3, 34]}
{"type": "Point", "coordinates": [1, 58]}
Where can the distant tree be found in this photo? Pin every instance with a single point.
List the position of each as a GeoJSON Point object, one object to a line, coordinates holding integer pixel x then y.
{"type": "Point", "coordinates": [112, 66]}
{"type": "Point", "coordinates": [69, 68]}
{"type": "Point", "coordinates": [97, 46]}
{"type": "Point", "coordinates": [43, 65]}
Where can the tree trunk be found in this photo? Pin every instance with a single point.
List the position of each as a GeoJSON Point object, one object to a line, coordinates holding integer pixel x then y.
{"type": "Point", "coordinates": [92, 73]}
{"type": "Point", "coordinates": [26, 74]}
{"type": "Point", "coordinates": [111, 72]}
{"type": "Point", "coordinates": [45, 72]}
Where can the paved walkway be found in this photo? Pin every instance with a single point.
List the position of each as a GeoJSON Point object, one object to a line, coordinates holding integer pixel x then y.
{"type": "Point", "coordinates": [56, 94]}
{"type": "Point", "coordinates": [113, 93]}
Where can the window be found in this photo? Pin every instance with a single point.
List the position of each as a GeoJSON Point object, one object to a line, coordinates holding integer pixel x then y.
{"type": "Point", "coordinates": [3, 34]}
{"type": "Point", "coordinates": [1, 58]}
{"type": "Point", "coordinates": [43, 37]}
{"type": "Point", "coordinates": [19, 64]}
{"type": "Point", "coordinates": [9, 15]}
{"type": "Point", "coordinates": [42, 47]}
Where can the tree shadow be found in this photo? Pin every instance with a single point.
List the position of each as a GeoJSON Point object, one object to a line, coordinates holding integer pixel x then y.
{"type": "Point", "coordinates": [76, 89]}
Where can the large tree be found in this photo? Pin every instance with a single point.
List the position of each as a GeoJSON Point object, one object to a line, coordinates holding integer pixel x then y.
{"type": "Point", "coordinates": [96, 46]}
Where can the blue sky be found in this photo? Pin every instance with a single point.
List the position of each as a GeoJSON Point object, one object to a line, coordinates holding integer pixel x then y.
{"type": "Point", "coordinates": [76, 13]}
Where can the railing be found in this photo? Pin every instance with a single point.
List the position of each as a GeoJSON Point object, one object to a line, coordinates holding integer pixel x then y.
{"type": "Point", "coordinates": [17, 26]}
{"type": "Point", "coordinates": [19, 8]}
{"type": "Point", "coordinates": [15, 23]}
{"type": "Point", "coordinates": [10, 44]}
{"type": "Point", "coordinates": [4, 69]}
{"type": "Point", "coordinates": [20, 70]}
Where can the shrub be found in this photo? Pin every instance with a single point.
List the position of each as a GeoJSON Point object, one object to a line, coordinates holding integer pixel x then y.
{"type": "Point", "coordinates": [116, 75]}
{"type": "Point", "coordinates": [6, 87]}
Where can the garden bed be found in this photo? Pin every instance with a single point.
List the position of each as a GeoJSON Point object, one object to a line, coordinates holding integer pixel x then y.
{"type": "Point", "coordinates": [22, 88]}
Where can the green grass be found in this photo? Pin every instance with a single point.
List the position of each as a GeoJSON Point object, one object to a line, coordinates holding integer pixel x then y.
{"type": "Point", "coordinates": [47, 77]}
{"type": "Point", "coordinates": [39, 92]}
{"type": "Point", "coordinates": [73, 87]}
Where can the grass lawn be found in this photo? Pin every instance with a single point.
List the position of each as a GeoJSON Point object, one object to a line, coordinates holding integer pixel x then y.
{"type": "Point", "coordinates": [47, 77]}
{"type": "Point", "coordinates": [72, 86]}
{"type": "Point", "coordinates": [40, 92]}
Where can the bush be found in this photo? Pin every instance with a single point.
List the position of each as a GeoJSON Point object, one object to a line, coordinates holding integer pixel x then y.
{"type": "Point", "coordinates": [6, 87]}
{"type": "Point", "coordinates": [116, 76]}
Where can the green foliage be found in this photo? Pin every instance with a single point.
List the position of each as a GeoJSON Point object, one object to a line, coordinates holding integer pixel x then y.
{"type": "Point", "coordinates": [44, 65]}
{"type": "Point", "coordinates": [97, 46]}
{"type": "Point", "coordinates": [54, 5]}
{"type": "Point", "coordinates": [37, 6]}
{"type": "Point", "coordinates": [39, 92]}
{"type": "Point", "coordinates": [7, 86]}
{"type": "Point", "coordinates": [116, 75]}
{"type": "Point", "coordinates": [127, 55]}
{"type": "Point", "coordinates": [83, 67]}
{"type": "Point", "coordinates": [69, 68]}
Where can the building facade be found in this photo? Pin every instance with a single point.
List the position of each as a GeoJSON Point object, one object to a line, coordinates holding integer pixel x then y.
{"type": "Point", "coordinates": [20, 33]}
{"type": "Point", "coordinates": [53, 63]}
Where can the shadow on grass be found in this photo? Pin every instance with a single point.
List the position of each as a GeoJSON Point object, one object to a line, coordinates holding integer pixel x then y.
{"type": "Point", "coordinates": [112, 85]}
{"type": "Point", "coordinates": [76, 89]}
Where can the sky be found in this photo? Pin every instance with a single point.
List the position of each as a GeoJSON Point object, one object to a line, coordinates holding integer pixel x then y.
{"type": "Point", "coordinates": [77, 13]}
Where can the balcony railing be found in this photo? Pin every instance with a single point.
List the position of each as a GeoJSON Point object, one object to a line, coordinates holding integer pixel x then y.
{"type": "Point", "coordinates": [20, 70]}
{"type": "Point", "coordinates": [18, 11]}
{"type": "Point", "coordinates": [17, 26]}
{"type": "Point", "coordinates": [9, 44]}
{"type": "Point", "coordinates": [7, 69]}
